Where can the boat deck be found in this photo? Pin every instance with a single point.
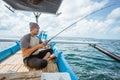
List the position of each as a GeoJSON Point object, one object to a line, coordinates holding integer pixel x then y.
{"type": "Point", "coordinates": [13, 69]}
{"type": "Point", "coordinates": [15, 64]}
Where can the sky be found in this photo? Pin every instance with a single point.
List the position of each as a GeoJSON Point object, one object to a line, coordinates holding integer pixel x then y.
{"type": "Point", "coordinates": [104, 24]}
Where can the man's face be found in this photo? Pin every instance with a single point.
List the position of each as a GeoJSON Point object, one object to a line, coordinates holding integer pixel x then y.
{"type": "Point", "coordinates": [35, 31]}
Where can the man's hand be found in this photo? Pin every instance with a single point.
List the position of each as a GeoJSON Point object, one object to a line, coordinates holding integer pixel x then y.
{"type": "Point", "coordinates": [42, 45]}
{"type": "Point", "coordinates": [45, 42]}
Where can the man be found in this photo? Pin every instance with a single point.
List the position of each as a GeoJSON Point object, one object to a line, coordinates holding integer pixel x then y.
{"type": "Point", "coordinates": [33, 49]}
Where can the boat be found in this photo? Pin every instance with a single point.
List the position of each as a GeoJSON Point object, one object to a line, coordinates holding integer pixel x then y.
{"type": "Point", "coordinates": [11, 61]}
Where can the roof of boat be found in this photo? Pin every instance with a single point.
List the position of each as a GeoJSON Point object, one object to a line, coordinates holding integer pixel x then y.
{"type": "Point", "coordinates": [47, 6]}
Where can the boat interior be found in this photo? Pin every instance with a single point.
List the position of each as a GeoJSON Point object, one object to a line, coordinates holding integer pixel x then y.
{"type": "Point", "coordinates": [15, 64]}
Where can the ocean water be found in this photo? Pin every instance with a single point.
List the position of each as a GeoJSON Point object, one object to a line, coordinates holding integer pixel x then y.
{"type": "Point", "coordinates": [87, 62]}
{"type": "Point", "coordinates": [91, 64]}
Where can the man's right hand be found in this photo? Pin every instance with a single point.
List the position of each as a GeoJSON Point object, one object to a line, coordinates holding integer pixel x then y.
{"type": "Point", "coordinates": [45, 42]}
{"type": "Point", "coordinates": [41, 45]}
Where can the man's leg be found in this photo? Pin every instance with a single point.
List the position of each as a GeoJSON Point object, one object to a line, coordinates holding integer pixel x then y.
{"type": "Point", "coordinates": [37, 63]}
{"type": "Point", "coordinates": [47, 56]}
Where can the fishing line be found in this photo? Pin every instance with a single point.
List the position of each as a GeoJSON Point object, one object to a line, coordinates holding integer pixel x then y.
{"type": "Point", "coordinates": [80, 20]}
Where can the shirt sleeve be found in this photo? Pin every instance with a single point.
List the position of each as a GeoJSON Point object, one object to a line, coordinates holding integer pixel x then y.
{"type": "Point", "coordinates": [25, 41]}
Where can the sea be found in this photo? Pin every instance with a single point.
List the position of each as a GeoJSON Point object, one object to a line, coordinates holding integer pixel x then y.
{"type": "Point", "coordinates": [87, 62]}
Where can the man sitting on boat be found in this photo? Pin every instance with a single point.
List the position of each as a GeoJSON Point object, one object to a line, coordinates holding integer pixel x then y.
{"type": "Point", "coordinates": [33, 49]}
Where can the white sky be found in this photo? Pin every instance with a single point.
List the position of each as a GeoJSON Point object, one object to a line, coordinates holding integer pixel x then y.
{"type": "Point", "coordinates": [103, 25]}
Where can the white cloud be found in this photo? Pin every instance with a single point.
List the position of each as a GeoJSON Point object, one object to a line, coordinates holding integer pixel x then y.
{"type": "Point", "coordinates": [115, 30]}
{"type": "Point", "coordinates": [114, 14]}
{"type": "Point", "coordinates": [78, 8]}
{"type": "Point", "coordinates": [18, 24]}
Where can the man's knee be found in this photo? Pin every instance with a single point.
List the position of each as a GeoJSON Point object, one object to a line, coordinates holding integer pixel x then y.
{"type": "Point", "coordinates": [48, 54]}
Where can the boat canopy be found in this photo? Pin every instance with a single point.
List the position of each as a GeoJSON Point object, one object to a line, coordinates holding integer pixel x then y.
{"type": "Point", "coordinates": [47, 6]}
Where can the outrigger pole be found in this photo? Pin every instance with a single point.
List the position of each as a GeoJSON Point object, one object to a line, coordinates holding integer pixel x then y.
{"type": "Point", "coordinates": [105, 52]}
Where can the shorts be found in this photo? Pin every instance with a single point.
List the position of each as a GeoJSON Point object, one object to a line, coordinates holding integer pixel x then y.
{"type": "Point", "coordinates": [37, 61]}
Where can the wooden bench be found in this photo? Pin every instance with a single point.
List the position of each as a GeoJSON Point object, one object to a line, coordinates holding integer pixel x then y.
{"type": "Point", "coordinates": [35, 75]}
{"type": "Point", "coordinates": [32, 75]}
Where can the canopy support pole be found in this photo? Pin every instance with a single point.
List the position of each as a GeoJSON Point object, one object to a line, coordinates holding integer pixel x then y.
{"type": "Point", "coordinates": [37, 15]}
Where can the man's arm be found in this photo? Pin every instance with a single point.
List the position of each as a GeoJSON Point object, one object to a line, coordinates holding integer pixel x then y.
{"type": "Point", "coordinates": [28, 51]}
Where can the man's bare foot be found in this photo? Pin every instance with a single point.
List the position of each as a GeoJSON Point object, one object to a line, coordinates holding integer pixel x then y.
{"type": "Point", "coordinates": [51, 57]}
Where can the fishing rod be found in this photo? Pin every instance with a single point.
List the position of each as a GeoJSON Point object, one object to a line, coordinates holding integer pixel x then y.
{"type": "Point", "coordinates": [79, 21]}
